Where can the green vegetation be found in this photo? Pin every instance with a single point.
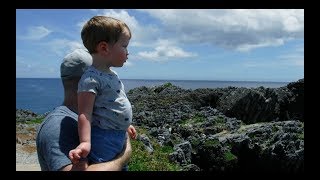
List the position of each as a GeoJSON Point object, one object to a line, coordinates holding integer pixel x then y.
{"type": "Point", "coordinates": [219, 120]}
{"type": "Point", "coordinates": [275, 128]}
{"type": "Point", "coordinates": [198, 119]}
{"type": "Point", "coordinates": [142, 160]}
{"type": "Point", "coordinates": [141, 130]}
{"type": "Point", "coordinates": [195, 119]}
{"type": "Point", "coordinates": [165, 101]}
{"type": "Point", "coordinates": [252, 135]}
{"type": "Point", "coordinates": [211, 143]}
{"type": "Point", "coordinates": [301, 136]}
{"type": "Point", "coordinates": [166, 149]}
{"type": "Point", "coordinates": [195, 143]}
{"type": "Point", "coordinates": [228, 156]}
{"type": "Point", "coordinates": [168, 84]}
{"type": "Point", "coordinates": [138, 105]}
{"type": "Point", "coordinates": [35, 121]}
{"type": "Point", "coordinates": [183, 121]}
{"type": "Point", "coordinates": [158, 89]}
{"type": "Point", "coordinates": [158, 160]}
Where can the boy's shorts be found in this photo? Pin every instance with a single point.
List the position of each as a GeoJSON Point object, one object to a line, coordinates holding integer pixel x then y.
{"type": "Point", "coordinates": [106, 144]}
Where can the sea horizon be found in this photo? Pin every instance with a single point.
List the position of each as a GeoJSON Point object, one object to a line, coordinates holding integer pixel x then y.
{"type": "Point", "coordinates": [41, 95]}
{"type": "Point", "coordinates": [272, 81]}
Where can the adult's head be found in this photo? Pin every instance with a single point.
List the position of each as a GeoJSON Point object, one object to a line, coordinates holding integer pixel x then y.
{"type": "Point", "coordinates": [74, 64]}
{"type": "Point", "coordinates": [102, 28]}
{"type": "Point", "coordinates": [71, 69]}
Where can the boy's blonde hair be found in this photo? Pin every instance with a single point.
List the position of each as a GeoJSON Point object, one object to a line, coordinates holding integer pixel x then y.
{"type": "Point", "coordinates": [102, 28]}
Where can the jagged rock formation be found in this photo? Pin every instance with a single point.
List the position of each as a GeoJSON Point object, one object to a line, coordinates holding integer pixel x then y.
{"type": "Point", "coordinates": [226, 129]}
{"type": "Point", "coordinates": [221, 130]}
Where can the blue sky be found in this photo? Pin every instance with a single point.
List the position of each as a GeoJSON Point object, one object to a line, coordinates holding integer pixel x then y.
{"type": "Point", "coordinates": [203, 44]}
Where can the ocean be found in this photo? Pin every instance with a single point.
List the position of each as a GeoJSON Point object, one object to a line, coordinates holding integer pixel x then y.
{"type": "Point", "coordinates": [41, 95]}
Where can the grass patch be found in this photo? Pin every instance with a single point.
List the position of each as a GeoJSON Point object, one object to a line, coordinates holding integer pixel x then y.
{"type": "Point", "coordinates": [198, 119]}
{"type": "Point", "coordinates": [219, 120]}
{"type": "Point", "coordinates": [35, 121]}
{"type": "Point", "coordinates": [301, 136]}
{"type": "Point", "coordinates": [166, 149]}
{"type": "Point", "coordinates": [211, 143]}
{"type": "Point", "coordinates": [158, 160]}
{"type": "Point", "coordinates": [168, 84]}
{"type": "Point", "coordinates": [195, 119]}
{"type": "Point", "coordinates": [228, 156]}
{"type": "Point", "coordinates": [275, 128]}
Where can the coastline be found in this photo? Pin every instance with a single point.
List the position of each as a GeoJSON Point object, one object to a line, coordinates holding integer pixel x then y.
{"type": "Point", "coordinates": [26, 153]}
{"type": "Point", "coordinates": [43, 95]}
{"type": "Point", "coordinates": [231, 124]}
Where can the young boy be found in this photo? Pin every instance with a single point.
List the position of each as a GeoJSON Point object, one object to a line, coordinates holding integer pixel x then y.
{"type": "Point", "coordinates": [105, 113]}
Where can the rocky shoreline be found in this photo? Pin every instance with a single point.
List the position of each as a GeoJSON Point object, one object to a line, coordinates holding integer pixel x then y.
{"type": "Point", "coordinates": [219, 129]}
{"type": "Point", "coordinates": [26, 155]}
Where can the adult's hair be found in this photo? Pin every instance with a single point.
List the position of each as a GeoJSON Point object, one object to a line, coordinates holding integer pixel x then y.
{"type": "Point", "coordinates": [102, 28]}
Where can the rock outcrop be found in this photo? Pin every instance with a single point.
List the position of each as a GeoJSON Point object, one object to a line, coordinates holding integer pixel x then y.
{"type": "Point", "coordinates": [220, 130]}
{"type": "Point", "coordinates": [226, 129]}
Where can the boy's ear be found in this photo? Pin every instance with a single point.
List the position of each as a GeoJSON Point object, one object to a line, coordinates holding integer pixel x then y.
{"type": "Point", "coordinates": [103, 47]}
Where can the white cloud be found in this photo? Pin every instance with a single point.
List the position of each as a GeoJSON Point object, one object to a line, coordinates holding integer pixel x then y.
{"type": "Point", "coordinates": [165, 52]}
{"type": "Point", "coordinates": [147, 35]}
{"type": "Point", "coordinates": [142, 34]}
{"type": "Point", "coordinates": [63, 46]}
{"type": "Point", "coordinates": [240, 29]}
{"type": "Point", "coordinates": [266, 43]}
{"type": "Point", "coordinates": [35, 33]}
{"type": "Point", "coordinates": [123, 16]}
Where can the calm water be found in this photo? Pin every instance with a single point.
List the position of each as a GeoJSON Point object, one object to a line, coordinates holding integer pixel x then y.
{"type": "Point", "coordinates": [41, 95]}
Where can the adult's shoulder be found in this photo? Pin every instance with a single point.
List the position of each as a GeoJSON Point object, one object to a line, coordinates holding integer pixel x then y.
{"type": "Point", "coordinates": [61, 111]}
{"type": "Point", "coordinates": [59, 116]}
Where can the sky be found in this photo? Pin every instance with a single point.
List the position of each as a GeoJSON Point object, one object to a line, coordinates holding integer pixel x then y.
{"type": "Point", "coordinates": [173, 44]}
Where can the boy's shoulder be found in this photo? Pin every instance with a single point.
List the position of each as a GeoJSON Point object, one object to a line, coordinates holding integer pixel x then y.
{"type": "Point", "coordinates": [90, 71]}
{"type": "Point", "coordinates": [114, 72]}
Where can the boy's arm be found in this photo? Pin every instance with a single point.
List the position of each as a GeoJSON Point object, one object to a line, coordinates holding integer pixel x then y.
{"type": "Point", "coordinates": [85, 108]}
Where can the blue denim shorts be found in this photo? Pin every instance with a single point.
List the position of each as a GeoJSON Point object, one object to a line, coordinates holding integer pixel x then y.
{"type": "Point", "coordinates": [106, 144]}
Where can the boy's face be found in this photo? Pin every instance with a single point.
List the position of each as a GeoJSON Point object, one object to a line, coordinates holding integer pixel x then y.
{"type": "Point", "coordinates": [119, 50]}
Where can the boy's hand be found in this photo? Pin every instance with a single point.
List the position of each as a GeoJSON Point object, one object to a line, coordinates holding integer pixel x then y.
{"type": "Point", "coordinates": [81, 151]}
{"type": "Point", "coordinates": [132, 132]}
{"type": "Point", "coordinates": [75, 155]}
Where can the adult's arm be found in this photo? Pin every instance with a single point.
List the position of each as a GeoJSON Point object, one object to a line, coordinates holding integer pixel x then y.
{"type": "Point", "coordinates": [113, 165]}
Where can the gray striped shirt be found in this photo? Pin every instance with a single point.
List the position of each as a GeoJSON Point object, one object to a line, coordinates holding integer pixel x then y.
{"type": "Point", "coordinates": [112, 109]}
